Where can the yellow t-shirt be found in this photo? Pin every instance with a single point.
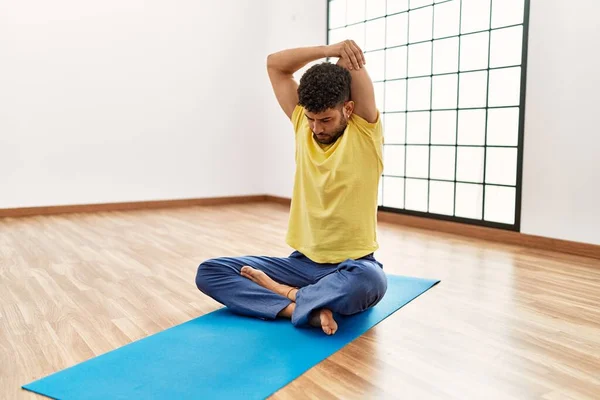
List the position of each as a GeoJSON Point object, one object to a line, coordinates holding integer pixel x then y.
{"type": "Point", "coordinates": [333, 215]}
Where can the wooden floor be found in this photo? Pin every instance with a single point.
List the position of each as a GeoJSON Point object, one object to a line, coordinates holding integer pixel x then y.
{"type": "Point", "coordinates": [505, 322]}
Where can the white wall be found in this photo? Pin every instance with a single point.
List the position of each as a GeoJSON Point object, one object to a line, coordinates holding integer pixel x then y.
{"type": "Point", "coordinates": [561, 177]}
{"type": "Point", "coordinates": [126, 101]}
{"type": "Point", "coordinates": [290, 24]}
{"type": "Point", "coordinates": [132, 100]}
{"type": "Point", "coordinates": [561, 164]}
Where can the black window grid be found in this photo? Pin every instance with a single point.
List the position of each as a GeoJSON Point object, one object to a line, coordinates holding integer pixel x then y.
{"type": "Point", "coordinates": [521, 106]}
{"type": "Point", "coordinates": [464, 71]}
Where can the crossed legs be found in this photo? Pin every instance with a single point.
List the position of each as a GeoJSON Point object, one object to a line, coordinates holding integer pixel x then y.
{"type": "Point", "coordinates": [322, 318]}
{"type": "Point", "coordinates": [294, 287]}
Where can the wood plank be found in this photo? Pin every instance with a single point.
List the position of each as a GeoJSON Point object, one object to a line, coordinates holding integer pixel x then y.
{"type": "Point", "coordinates": [506, 322]}
{"type": "Point", "coordinates": [132, 205]}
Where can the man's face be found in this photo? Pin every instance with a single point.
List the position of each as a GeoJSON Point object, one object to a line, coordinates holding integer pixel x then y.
{"type": "Point", "coordinates": [328, 125]}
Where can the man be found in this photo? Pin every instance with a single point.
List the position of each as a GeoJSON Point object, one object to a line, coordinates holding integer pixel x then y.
{"type": "Point", "coordinates": [333, 215]}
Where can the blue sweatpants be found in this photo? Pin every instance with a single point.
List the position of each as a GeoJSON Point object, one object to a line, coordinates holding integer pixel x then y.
{"type": "Point", "coordinates": [346, 288]}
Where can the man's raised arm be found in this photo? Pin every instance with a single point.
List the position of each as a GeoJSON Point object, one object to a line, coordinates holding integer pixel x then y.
{"type": "Point", "coordinates": [361, 90]}
{"type": "Point", "coordinates": [281, 67]}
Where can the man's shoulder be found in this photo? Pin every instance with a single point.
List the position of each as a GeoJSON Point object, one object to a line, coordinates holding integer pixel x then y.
{"type": "Point", "coordinates": [298, 120]}
{"type": "Point", "coordinates": [372, 129]}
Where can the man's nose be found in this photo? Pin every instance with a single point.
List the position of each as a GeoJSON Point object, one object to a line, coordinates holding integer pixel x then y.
{"type": "Point", "coordinates": [317, 128]}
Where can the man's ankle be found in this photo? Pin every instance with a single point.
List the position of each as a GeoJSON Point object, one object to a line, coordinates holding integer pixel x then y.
{"type": "Point", "coordinates": [287, 311]}
{"type": "Point", "coordinates": [291, 294]}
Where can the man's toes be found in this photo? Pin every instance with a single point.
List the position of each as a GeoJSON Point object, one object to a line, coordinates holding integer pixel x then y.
{"type": "Point", "coordinates": [247, 271]}
{"type": "Point", "coordinates": [328, 324]}
{"type": "Point", "coordinates": [329, 329]}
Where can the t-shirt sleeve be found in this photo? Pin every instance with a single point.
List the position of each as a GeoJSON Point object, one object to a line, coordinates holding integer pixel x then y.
{"type": "Point", "coordinates": [297, 118]}
{"type": "Point", "coordinates": [372, 129]}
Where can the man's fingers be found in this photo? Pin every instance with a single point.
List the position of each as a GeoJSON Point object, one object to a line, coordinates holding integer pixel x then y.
{"type": "Point", "coordinates": [351, 56]}
{"type": "Point", "coordinates": [347, 58]}
{"type": "Point", "coordinates": [359, 53]}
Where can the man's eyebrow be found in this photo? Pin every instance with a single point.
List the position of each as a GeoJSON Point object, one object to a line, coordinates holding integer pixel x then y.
{"type": "Point", "coordinates": [317, 118]}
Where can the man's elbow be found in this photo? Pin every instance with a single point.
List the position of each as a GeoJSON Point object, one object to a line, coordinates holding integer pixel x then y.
{"type": "Point", "coordinates": [272, 62]}
{"type": "Point", "coordinates": [274, 66]}
{"type": "Point", "coordinates": [371, 116]}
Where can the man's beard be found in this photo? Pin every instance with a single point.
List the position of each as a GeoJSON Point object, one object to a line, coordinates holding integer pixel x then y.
{"type": "Point", "coordinates": [332, 138]}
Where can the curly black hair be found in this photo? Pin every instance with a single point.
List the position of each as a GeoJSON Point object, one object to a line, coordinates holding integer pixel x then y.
{"type": "Point", "coordinates": [324, 86]}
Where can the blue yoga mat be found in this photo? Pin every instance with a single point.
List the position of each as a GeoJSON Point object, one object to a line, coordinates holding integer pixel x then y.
{"type": "Point", "coordinates": [218, 356]}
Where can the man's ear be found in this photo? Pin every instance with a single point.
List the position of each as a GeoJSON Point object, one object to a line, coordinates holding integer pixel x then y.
{"type": "Point", "coordinates": [348, 108]}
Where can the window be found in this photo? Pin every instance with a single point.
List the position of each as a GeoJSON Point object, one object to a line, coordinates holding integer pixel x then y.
{"type": "Point", "coordinates": [449, 80]}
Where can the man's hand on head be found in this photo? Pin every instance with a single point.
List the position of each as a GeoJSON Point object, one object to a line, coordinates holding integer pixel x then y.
{"type": "Point", "coordinates": [362, 91]}
{"type": "Point", "coordinates": [350, 55]}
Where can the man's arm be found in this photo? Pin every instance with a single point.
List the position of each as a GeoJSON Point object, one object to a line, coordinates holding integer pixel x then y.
{"type": "Point", "coordinates": [362, 91]}
{"type": "Point", "coordinates": [281, 67]}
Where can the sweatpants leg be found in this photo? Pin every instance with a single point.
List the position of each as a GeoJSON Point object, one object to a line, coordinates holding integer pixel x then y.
{"type": "Point", "coordinates": [220, 279]}
{"type": "Point", "coordinates": [352, 287]}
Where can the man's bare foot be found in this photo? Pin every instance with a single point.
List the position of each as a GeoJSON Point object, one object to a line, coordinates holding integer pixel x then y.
{"type": "Point", "coordinates": [259, 277]}
{"type": "Point", "coordinates": [324, 318]}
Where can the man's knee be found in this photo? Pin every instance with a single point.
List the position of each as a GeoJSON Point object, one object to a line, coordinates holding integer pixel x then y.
{"type": "Point", "coordinates": [201, 276]}
{"type": "Point", "coordinates": [375, 283]}
{"type": "Point", "coordinates": [369, 285]}
{"type": "Point", "coordinates": [207, 272]}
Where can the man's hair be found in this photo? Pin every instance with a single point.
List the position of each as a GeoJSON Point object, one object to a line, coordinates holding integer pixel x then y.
{"type": "Point", "coordinates": [324, 86]}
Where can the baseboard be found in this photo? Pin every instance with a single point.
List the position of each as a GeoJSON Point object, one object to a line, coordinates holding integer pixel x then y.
{"type": "Point", "coordinates": [135, 205]}
{"type": "Point", "coordinates": [491, 234]}
{"type": "Point", "coordinates": [495, 235]}
{"type": "Point", "coordinates": [285, 201]}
